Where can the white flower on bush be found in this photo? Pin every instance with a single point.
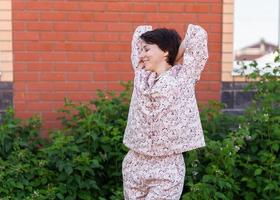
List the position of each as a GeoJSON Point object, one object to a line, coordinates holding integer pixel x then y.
{"type": "Point", "coordinates": [237, 148]}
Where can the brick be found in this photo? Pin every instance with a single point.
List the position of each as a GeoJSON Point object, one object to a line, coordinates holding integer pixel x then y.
{"type": "Point", "coordinates": [6, 56]}
{"type": "Point", "coordinates": [92, 67]}
{"type": "Point", "coordinates": [19, 96]}
{"type": "Point", "coordinates": [116, 86]}
{"type": "Point", "coordinates": [93, 86]}
{"type": "Point", "coordinates": [6, 25]}
{"type": "Point", "coordinates": [216, 9]}
{"type": "Point", "coordinates": [18, 26]}
{"type": "Point", "coordinates": [228, 57]}
{"type": "Point", "coordinates": [125, 56]}
{"type": "Point", "coordinates": [213, 67]}
{"type": "Point", "coordinates": [212, 18]}
{"type": "Point", "coordinates": [119, 47]}
{"type": "Point", "coordinates": [52, 76]}
{"type": "Point", "coordinates": [19, 86]}
{"type": "Point", "coordinates": [79, 57]}
{"type": "Point", "coordinates": [26, 76]}
{"type": "Point", "coordinates": [206, 96]}
{"type": "Point", "coordinates": [210, 76]}
{"type": "Point", "coordinates": [25, 36]}
{"type": "Point", "coordinates": [21, 106]}
{"type": "Point", "coordinates": [214, 57]}
{"type": "Point", "coordinates": [119, 27]}
{"type": "Point", "coordinates": [6, 46]}
{"type": "Point", "coordinates": [215, 47]}
{"type": "Point", "coordinates": [7, 76]}
{"type": "Point", "coordinates": [52, 56]}
{"type": "Point", "coordinates": [28, 97]}
{"type": "Point", "coordinates": [209, 1]}
{"type": "Point", "coordinates": [40, 86]}
{"type": "Point", "coordinates": [39, 26]}
{"type": "Point", "coordinates": [26, 16]}
{"type": "Point", "coordinates": [52, 16]}
{"type": "Point", "coordinates": [5, 5]}
{"type": "Point", "coordinates": [66, 67]}
{"type": "Point", "coordinates": [119, 6]}
{"type": "Point", "coordinates": [155, 17]}
{"type": "Point", "coordinates": [93, 6]}
{"type": "Point", "coordinates": [5, 15]}
{"type": "Point", "coordinates": [79, 36]}
{"type": "Point", "coordinates": [126, 76]}
{"type": "Point", "coordinates": [20, 57]}
{"type": "Point", "coordinates": [215, 28]}
{"type": "Point", "coordinates": [214, 37]}
{"type": "Point", "coordinates": [197, 8]}
{"type": "Point", "coordinates": [79, 76]}
{"type": "Point", "coordinates": [105, 37]}
{"type": "Point", "coordinates": [52, 96]}
{"type": "Point", "coordinates": [36, 5]}
{"type": "Point", "coordinates": [132, 17]}
{"type": "Point", "coordinates": [15, 66]}
{"type": "Point", "coordinates": [171, 7]}
{"type": "Point", "coordinates": [88, 42]}
{"type": "Point", "coordinates": [69, 26]}
{"type": "Point", "coordinates": [39, 67]}
{"type": "Point", "coordinates": [67, 47]}
{"type": "Point", "coordinates": [80, 16]}
{"type": "Point", "coordinates": [106, 17]}
{"type": "Point", "coordinates": [66, 6]}
{"type": "Point", "coordinates": [125, 37]}
{"type": "Point", "coordinates": [106, 76]}
{"type": "Point", "coordinates": [208, 86]}
{"type": "Point", "coordinates": [96, 26]}
{"type": "Point", "coordinates": [228, 8]}
{"type": "Point", "coordinates": [80, 96]}
{"type": "Point", "coordinates": [39, 46]}
{"type": "Point", "coordinates": [228, 18]}
{"type": "Point", "coordinates": [55, 36]}
{"type": "Point", "coordinates": [43, 106]}
{"type": "Point", "coordinates": [20, 46]}
{"type": "Point", "coordinates": [93, 47]}
{"type": "Point", "coordinates": [103, 56]}
{"type": "Point", "coordinates": [66, 86]}
{"type": "Point", "coordinates": [140, 7]}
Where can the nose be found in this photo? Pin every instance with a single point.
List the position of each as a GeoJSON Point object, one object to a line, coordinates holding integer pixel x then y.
{"type": "Point", "coordinates": [141, 55]}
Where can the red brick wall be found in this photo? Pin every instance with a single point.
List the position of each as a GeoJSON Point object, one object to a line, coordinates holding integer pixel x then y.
{"type": "Point", "coordinates": [71, 48]}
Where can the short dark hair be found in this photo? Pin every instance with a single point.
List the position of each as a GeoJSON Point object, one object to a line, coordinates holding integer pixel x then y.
{"type": "Point", "coordinates": [166, 39]}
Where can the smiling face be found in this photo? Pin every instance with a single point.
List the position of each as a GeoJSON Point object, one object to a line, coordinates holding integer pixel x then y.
{"type": "Point", "coordinates": [152, 56]}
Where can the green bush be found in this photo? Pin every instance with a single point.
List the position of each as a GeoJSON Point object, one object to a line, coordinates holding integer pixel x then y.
{"type": "Point", "coordinates": [80, 161]}
{"type": "Point", "coordinates": [242, 157]}
{"type": "Point", "coordinates": [83, 159]}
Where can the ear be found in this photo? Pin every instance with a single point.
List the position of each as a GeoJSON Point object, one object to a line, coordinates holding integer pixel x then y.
{"type": "Point", "coordinates": [166, 53]}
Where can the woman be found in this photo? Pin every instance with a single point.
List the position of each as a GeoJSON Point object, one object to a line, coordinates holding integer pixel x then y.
{"type": "Point", "coordinates": [163, 120]}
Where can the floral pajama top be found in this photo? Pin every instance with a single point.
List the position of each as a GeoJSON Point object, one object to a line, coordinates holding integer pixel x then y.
{"type": "Point", "coordinates": [163, 117]}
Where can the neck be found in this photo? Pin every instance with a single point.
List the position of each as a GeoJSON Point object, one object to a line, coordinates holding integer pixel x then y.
{"type": "Point", "coordinates": [163, 68]}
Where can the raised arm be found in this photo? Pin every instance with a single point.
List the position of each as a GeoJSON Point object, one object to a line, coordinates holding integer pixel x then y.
{"type": "Point", "coordinates": [135, 44]}
{"type": "Point", "coordinates": [194, 50]}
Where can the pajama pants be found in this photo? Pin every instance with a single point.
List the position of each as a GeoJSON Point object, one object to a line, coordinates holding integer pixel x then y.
{"type": "Point", "coordinates": [153, 177]}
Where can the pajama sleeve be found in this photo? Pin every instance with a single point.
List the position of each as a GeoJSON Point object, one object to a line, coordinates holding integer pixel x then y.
{"type": "Point", "coordinates": [135, 44]}
{"type": "Point", "coordinates": [196, 52]}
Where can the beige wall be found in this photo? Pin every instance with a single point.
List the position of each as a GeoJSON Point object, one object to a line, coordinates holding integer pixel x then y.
{"type": "Point", "coordinates": [6, 55]}
{"type": "Point", "coordinates": [227, 42]}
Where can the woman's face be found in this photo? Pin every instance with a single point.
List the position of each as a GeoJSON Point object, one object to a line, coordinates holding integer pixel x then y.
{"type": "Point", "coordinates": [152, 56]}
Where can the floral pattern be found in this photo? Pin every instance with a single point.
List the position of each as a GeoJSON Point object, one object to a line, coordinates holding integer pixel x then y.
{"type": "Point", "coordinates": [163, 117]}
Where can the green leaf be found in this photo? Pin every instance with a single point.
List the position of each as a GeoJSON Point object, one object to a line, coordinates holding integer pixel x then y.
{"type": "Point", "coordinates": [258, 172]}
